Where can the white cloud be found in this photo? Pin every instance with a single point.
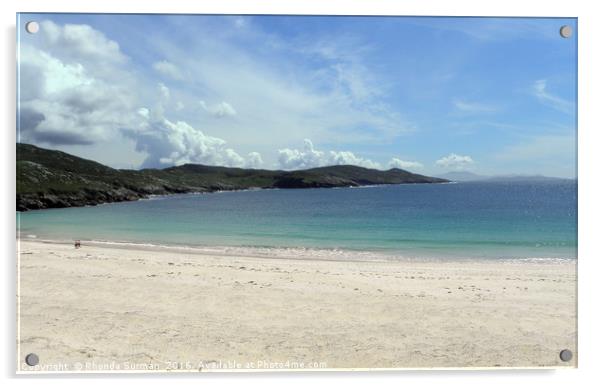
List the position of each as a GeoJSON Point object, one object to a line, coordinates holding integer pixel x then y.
{"type": "Point", "coordinates": [540, 91]}
{"type": "Point", "coordinates": [170, 143]}
{"type": "Point", "coordinates": [254, 160]}
{"type": "Point", "coordinates": [165, 94]}
{"type": "Point", "coordinates": [77, 41]}
{"type": "Point", "coordinates": [144, 112]}
{"type": "Point", "coordinates": [455, 162]}
{"type": "Point", "coordinates": [348, 158]}
{"type": "Point", "coordinates": [402, 164]}
{"type": "Point", "coordinates": [340, 97]}
{"type": "Point", "coordinates": [168, 69]}
{"type": "Point", "coordinates": [222, 109]}
{"type": "Point", "coordinates": [356, 80]}
{"type": "Point", "coordinates": [309, 157]}
{"type": "Point", "coordinates": [81, 89]}
{"type": "Point", "coordinates": [473, 107]}
{"type": "Point", "coordinates": [62, 101]}
{"type": "Point", "coordinates": [230, 158]}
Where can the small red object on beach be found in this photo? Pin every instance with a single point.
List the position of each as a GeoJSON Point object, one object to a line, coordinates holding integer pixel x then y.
{"type": "Point", "coordinates": [78, 244]}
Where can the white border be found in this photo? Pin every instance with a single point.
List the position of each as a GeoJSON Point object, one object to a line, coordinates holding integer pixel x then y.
{"type": "Point", "coordinates": [589, 186]}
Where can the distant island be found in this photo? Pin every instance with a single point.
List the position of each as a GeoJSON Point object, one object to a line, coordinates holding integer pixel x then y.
{"type": "Point", "coordinates": [54, 179]}
{"type": "Point", "coordinates": [466, 176]}
{"type": "Point", "coordinates": [459, 176]}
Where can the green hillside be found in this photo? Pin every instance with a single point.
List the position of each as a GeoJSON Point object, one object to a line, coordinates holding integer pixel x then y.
{"type": "Point", "coordinates": [51, 179]}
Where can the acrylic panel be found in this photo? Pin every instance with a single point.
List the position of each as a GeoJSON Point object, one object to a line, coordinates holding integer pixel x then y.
{"type": "Point", "coordinates": [256, 192]}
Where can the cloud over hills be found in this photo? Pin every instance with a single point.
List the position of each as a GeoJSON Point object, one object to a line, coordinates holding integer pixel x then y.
{"type": "Point", "coordinates": [309, 157]}
{"type": "Point", "coordinates": [455, 162]}
{"type": "Point", "coordinates": [403, 164]}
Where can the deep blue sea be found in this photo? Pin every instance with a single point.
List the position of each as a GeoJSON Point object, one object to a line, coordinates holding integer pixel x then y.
{"type": "Point", "coordinates": [480, 220]}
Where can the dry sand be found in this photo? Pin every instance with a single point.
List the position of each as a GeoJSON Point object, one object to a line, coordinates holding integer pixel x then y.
{"type": "Point", "coordinates": [111, 307]}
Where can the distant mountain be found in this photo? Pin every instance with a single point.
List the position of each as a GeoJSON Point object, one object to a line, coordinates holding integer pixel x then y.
{"type": "Point", "coordinates": [525, 178]}
{"type": "Point", "coordinates": [51, 179]}
{"type": "Point", "coordinates": [462, 176]}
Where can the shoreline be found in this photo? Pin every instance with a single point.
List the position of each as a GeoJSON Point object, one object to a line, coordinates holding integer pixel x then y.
{"type": "Point", "coordinates": [163, 307]}
{"type": "Point", "coordinates": [254, 189]}
{"type": "Point", "coordinates": [293, 252]}
{"type": "Point", "coordinates": [209, 190]}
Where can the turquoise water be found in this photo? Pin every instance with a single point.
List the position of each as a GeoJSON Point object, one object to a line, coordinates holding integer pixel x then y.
{"type": "Point", "coordinates": [494, 220]}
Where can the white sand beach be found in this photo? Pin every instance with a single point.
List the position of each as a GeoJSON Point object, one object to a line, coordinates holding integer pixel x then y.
{"type": "Point", "coordinates": [106, 307]}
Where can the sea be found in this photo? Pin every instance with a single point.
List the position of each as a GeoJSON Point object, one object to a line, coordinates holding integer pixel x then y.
{"type": "Point", "coordinates": [492, 220]}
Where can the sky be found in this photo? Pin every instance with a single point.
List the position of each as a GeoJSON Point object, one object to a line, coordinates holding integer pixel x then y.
{"type": "Point", "coordinates": [494, 96]}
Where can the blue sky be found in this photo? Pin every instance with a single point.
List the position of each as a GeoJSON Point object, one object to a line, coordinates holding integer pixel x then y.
{"type": "Point", "coordinates": [431, 95]}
